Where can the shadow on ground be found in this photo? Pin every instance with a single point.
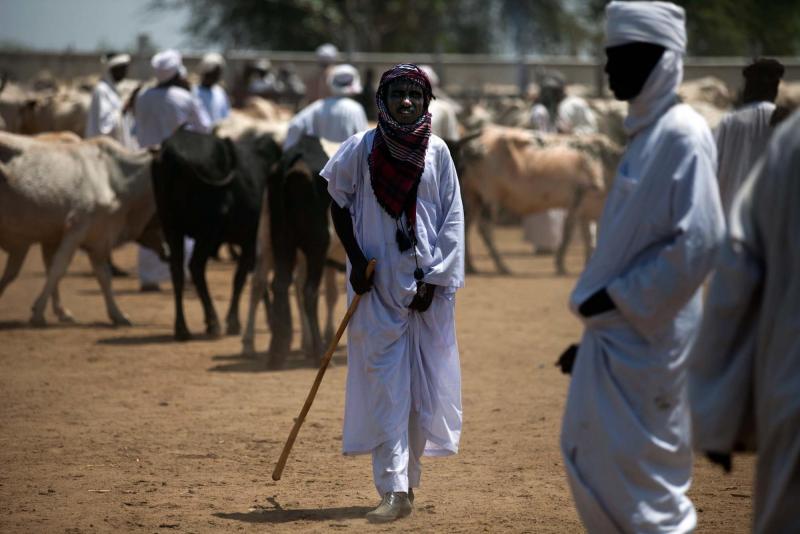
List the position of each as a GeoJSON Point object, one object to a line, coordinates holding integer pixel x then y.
{"type": "Point", "coordinates": [281, 515]}
{"type": "Point", "coordinates": [262, 363]}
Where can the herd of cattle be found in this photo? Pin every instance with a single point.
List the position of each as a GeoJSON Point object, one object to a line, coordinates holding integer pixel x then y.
{"type": "Point", "coordinates": [236, 186]}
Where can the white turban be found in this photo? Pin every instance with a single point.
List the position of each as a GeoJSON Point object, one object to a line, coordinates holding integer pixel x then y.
{"type": "Point", "coordinates": [167, 64]}
{"type": "Point", "coordinates": [327, 53]}
{"type": "Point", "coordinates": [344, 80]}
{"type": "Point", "coordinates": [431, 74]}
{"type": "Point", "coordinates": [116, 60]}
{"type": "Point", "coordinates": [661, 23]}
{"type": "Point", "coordinates": [211, 61]}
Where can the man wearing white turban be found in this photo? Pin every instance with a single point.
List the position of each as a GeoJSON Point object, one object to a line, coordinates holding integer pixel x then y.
{"type": "Point", "coordinates": [159, 111]}
{"type": "Point", "coordinates": [626, 431]}
{"type": "Point", "coordinates": [106, 116]}
{"type": "Point", "coordinates": [209, 91]}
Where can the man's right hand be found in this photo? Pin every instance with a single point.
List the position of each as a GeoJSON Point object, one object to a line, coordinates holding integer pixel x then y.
{"type": "Point", "coordinates": [567, 359]}
{"type": "Point", "coordinates": [358, 277]}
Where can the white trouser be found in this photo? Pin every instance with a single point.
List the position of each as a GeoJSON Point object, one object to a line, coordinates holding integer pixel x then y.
{"type": "Point", "coordinates": [396, 463]}
{"type": "Point", "coordinates": [154, 271]}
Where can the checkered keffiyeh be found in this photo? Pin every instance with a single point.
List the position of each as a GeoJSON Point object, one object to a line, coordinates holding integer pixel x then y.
{"type": "Point", "coordinates": [397, 158]}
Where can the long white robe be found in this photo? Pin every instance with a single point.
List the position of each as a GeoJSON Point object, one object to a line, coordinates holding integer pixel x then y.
{"type": "Point", "coordinates": [215, 101]}
{"type": "Point", "coordinates": [334, 118]}
{"type": "Point", "coordinates": [105, 115]}
{"type": "Point", "coordinates": [398, 357]}
{"type": "Point", "coordinates": [159, 112]}
{"type": "Point", "coordinates": [742, 137]}
{"type": "Point", "coordinates": [625, 435]}
{"type": "Point", "coordinates": [744, 376]}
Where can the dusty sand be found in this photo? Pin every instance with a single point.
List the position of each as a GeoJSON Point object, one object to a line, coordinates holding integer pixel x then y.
{"type": "Point", "coordinates": [121, 429]}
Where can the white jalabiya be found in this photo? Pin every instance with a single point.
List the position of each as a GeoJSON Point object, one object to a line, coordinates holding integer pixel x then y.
{"type": "Point", "coordinates": [215, 102]}
{"type": "Point", "coordinates": [159, 112]}
{"type": "Point", "coordinates": [401, 360]}
{"type": "Point", "coordinates": [443, 119]}
{"type": "Point", "coordinates": [742, 138]}
{"type": "Point", "coordinates": [334, 118]}
{"type": "Point", "coordinates": [575, 116]}
{"type": "Point", "coordinates": [744, 374]}
{"type": "Point", "coordinates": [105, 114]}
{"type": "Point", "coordinates": [626, 430]}
{"type": "Point", "coordinates": [546, 230]}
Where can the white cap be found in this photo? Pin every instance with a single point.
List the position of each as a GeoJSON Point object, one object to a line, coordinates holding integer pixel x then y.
{"type": "Point", "coordinates": [327, 53]}
{"type": "Point", "coordinates": [431, 74]}
{"type": "Point", "coordinates": [344, 80]}
{"type": "Point", "coordinates": [211, 61]}
{"type": "Point", "coordinates": [116, 59]}
{"type": "Point", "coordinates": [167, 64]}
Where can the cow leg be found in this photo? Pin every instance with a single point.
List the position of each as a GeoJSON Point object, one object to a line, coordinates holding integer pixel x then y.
{"type": "Point", "coordinates": [61, 260]}
{"type": "Point", "coordinates": [301, 275]}
{"type": "Point", "coordinates": [16, 257]}
{"type": "Point", "coordinates": [258, 290]}
{"type": "Point", "coordinates": [331, 297]}
{"type": "Point", "coordinates": [244, 265]}
{"type": "Point", "coordinates": [486, 229]}
{"type": "Point", "coordinates": [102, 270]}
{"type": "Point", "coordinates": [63, 314]}
{"type": "Point", "coordinates": [280, 313]}
{"type": "Point", "coordinates": [177, 273]}
{"type": "Point", "coordinates": [197, 268]}
{"type": "Point", "coordinates": [315, 263]}
{"type": "Point", "coordinates": [469, 218]}
{"type": "Point", "coordinates": [568, 229]}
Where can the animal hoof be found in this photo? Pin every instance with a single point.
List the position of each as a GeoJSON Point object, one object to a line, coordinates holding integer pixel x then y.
{"type": "Point", "coordinates": [121, 321]}
{"type": "Point", "coordinates": [182, 335]}
{"type": "Point", "coordinates": [214, 330]}
{"type": "Point", "coordinates": [248, 349]}
{"type": "Point", "coordinates": [275, 361]}
{"type": "Point", "coordinates": [38, 321]}
{"type": "Point", "coordinates": [66, 317]}
{"type": "Point", "coordinates": [233, 329]}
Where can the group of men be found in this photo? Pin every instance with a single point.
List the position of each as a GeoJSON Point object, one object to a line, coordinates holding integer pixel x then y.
{"type": "Point", "coordinates": [646, 373]}
{"type": "Point", "coordinates": [147, 119]}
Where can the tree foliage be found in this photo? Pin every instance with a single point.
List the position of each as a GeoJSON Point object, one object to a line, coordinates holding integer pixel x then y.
{"type": "Point", "coordinates": [716, 27]}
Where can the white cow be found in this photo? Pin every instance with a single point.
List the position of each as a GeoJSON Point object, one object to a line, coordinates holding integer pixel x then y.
{"type": "Point", "coordinates": [91, 194]}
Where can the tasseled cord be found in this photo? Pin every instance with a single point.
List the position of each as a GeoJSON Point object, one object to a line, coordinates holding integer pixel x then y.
{"type": "Point", "coordinates": [406, 240]}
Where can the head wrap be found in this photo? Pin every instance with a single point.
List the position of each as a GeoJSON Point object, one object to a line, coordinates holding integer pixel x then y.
{"type": "Point", "coordinates": [658, 94]}
{"type": "Point", "coordinates": [167, 64]}
{"type": "Point", "coordinates": [764, 69]}
{"type": "Point", "coordinates": [343, 80]}
{"type": "Point", "coordinates": [327, 53]}
{"type": "Point", "coordinates": [661, 23]}
{"type": "Point", "coordinates": [397, 159]}
{"type": "Point", "coordinates": [114, 60]}
{"type": "Point", "coordinates": [211, 61]}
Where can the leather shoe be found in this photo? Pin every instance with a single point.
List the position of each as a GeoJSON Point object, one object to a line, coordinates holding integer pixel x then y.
{"type": "Point", "coordinates": [394, 505]}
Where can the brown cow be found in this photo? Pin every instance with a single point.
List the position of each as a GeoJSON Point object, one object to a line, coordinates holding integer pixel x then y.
{"type": "Point", "coordinates": [526, 172]}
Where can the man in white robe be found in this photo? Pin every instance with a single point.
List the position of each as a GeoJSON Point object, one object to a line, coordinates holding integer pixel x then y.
{"type": "Point", "coordinates": [626, 430]}
{"type": "Point", "coordinates": [742, 134]}
{"type": "Point", "coordinates": [443, 110]}
{"type": "Point", "coordinates": [570, 115]}
{"type": "Point", "coordinates": [210, 93]}
{"type": "Point", "coordinates": [106, 116]}
{"type": "Point", "coordinates": [159, 111]}
{"type": "Point", "coordinates": [396, 199]}
{"type": "Point", "coordinates": [334, 118]}
{"type": "Point", "coordinates": [744, 375]}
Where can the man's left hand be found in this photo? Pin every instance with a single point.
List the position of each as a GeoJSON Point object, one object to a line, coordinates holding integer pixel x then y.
{"type": "Point", "coordinates": [599, 302]}
{"type": "Point", "coordinates": [422, 300]}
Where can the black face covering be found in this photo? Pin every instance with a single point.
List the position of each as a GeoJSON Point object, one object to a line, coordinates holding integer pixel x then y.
{"type": "Point", "coordinates": [628, 67]}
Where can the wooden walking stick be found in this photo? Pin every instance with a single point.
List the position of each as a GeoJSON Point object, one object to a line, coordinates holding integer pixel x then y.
{"type": "Point", "coordinates": [276, 474]}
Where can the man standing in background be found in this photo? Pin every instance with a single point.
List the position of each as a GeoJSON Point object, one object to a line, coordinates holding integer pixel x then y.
{"type": "Point", "coordinates": [210, 92]}
{"type": "Point", "coordinates": [742, 135]}
{"type": "Point", "coordinates": [160, 111]}
{"type": "Point", "coordinates": [625, 436]}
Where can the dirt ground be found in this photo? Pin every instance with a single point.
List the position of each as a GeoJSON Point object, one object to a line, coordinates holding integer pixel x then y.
{"type": "Point", "coordinates": [121, 429]}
